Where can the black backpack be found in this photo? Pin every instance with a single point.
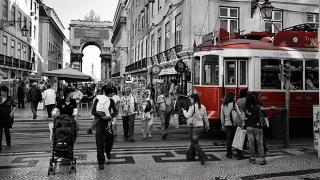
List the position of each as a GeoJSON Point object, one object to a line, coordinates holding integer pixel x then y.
{"type": "Point", "coordinates": [148, 106]}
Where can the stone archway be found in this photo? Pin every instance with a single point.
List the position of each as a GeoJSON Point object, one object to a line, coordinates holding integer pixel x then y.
{"type": "Point", "coordinates": [91, 31]}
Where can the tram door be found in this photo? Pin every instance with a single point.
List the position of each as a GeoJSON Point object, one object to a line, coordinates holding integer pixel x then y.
{"type": "Point", "coordinates": [235, 75]}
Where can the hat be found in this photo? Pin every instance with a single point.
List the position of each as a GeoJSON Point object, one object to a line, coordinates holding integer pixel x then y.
{"type": "Point", "coordinates": [127, 88]}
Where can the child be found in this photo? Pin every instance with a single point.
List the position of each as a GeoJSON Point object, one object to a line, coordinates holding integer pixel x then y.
{"type": "Point", "coordinates": [147, 115]}
{"type": "Point", "coordinates": [103, 104]}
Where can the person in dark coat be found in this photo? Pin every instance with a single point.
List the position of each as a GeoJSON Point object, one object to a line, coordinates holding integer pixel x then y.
{"type": "Point", "coordinates": [7, 109]}
{"type": "Point", "coordinates": [104, 138]}
{"type": "Point", "coordinates": [34, 96]}
{"type": "Point", "coordinates": [20, 95]}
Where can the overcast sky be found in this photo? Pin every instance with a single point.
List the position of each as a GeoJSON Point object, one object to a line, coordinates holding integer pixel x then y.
{"type": "Point", "coordinates": [68, 10]}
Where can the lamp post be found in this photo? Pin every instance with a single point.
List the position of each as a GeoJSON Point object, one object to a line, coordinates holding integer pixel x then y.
{"type": "Point", "coordinates": [5, 24]}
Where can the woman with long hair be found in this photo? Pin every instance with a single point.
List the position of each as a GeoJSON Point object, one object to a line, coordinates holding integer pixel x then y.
{"type": "Point", "coordinates": [254, 131]}
{"type": "Point", "coordinates": [227, 123]}
{"type": "Point", "coordinates": [197, 118]}
{"type": "Point", "coordinates": [7, 109]}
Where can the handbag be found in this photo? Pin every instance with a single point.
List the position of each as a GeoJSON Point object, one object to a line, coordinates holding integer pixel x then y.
{"type": "Point", "coordinates": [237, 117]}
{"type": "Point", "coordinates": [263, 121]}
{"type": "Point", "coordinates": [174, 121]}
{"type": "Point", "coordinates": [239, 137]}
{"type": "Point", "coordinates": [168, 107]}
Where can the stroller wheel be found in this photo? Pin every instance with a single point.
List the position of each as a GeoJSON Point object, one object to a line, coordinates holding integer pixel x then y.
{"type": "Point", "coordinates": [51, 171]}
{"type": "Point", "coordinates": [73, 169]}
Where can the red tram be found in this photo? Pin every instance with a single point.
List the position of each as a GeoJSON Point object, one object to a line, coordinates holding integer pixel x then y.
{"type": "Point", "coordinates": [234, 64]}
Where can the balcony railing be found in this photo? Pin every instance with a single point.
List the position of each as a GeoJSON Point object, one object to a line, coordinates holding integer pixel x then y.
{"type": "Point", "coordinates": [14, 62]}
{"type": "Point", "coordinates": [159, 58]}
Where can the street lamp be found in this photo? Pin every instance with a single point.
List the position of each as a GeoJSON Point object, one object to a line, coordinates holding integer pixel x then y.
{"type": "Point", "coordinates": [265, 9]}
{"type": "Point", "coordinates": [5, 24]}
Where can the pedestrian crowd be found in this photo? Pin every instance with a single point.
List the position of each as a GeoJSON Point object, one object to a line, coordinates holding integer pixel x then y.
{"type": "Point", "coordinates": [168, 105]}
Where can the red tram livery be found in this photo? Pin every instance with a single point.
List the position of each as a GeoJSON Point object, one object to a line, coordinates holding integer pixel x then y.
{"type": "Point", "coordinates": [253, 61]}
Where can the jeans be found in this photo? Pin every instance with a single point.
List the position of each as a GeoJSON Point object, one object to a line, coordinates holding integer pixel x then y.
{"type": "Point", "coordinates": [128, 126]}
{"type": "Point", "coordinates": [146, 126]}
{"type": "Point", "coordinates": [194, 146]}
{"type": "Point", "coordinates": [255, 135]}
{"type": "Point", "coordinates": [230, 131]}
{"type": "Point", "coordinates": [7, 134]}
{"type": "Point", "coordinates": [34, 107]}
{"type": "Point", "coordinates": [164, 118]}
{"type": "Point", "coordinates": [104, 140]}
{"type": "Point", "coordinates": [49, 109]}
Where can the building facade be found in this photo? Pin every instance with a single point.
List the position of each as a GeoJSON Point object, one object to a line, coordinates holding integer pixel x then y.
{"type": "Point", "coordinates": [16, 45]}
{"type": "Point", "coordinates": [51, 40]}
{"type": "Point", "coordinates": [119, 41]}
{"type": "Point", "coordinates": [165, 31]}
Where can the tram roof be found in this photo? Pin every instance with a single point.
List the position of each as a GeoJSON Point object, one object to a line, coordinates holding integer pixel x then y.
{"type": "Point", "coordinates": [265, 44]}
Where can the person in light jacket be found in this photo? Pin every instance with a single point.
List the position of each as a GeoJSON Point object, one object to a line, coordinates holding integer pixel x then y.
{"type": "Point", "coordinates": [49, 98]}
{"type": "Point", "coordinates": [197, 118]}
{"type": "Point", "coordinates": [227, 123]}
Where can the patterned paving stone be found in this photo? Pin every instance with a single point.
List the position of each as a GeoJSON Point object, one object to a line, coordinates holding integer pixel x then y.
{"type": "Point", "coordinates": [164, 162]}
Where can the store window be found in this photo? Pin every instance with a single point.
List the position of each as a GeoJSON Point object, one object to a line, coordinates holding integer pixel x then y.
{"type": "Point", "coordinates": [210, 71]}
{"type": "Point", "coordinates": [312, 18]}
{"type": "Point", "coordinates": [312, 75]}
{"type": "Point", "coordinates": [230, 72]}
{"type": "Point", "coordinates": [229, 19]}
{"type": "Point", "coordinates": [242, 72]}
{"type": "Point", "coordinates": [270, 74]}
{"type": "Point", "coordinates": [276, 22]}
{"type": "Point", "coordinates": [196, 73]}
{"type": "Point", "coordinates": [4, 45]}
{"type": "Point", "coordinates": [296, 74]}
{"type": "Point", "coordinates": [178, 28]}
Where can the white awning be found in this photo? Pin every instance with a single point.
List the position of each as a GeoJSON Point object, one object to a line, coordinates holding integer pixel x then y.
{"type": "Point", "coordinates": [168, 71]}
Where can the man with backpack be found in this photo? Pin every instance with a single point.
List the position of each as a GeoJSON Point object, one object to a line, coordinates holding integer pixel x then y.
{"type": "Point", "coordinates": [103, 110]}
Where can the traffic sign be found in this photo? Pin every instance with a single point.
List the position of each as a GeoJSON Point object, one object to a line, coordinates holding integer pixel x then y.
{"type": "Point", "coordinates": [180, 66]}
{"type": "Point", "coordinates": [155, 69]}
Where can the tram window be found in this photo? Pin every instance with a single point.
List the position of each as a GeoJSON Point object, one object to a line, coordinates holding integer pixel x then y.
{"type": "Point", "coordinates": [243, 72]}
{"type": "Point", "coordinates": [296, 74]}
{"type": "Point", "coordinates": [197, 70]}
{"type": "Point", "coordinates": [270, 74]}
{"type": "Point", "coordinates": [230, 73]}
{"type": "Point", "coordinates": [210, 70]}
{"type": "Point", "coordinates": [312, 75]}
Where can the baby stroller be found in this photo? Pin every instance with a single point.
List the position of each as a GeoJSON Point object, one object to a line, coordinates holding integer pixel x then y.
{"type": "Point", "coordinates": [63, 138]}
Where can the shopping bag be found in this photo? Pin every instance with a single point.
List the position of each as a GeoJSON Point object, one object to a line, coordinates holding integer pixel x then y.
{"type": "Point", "coordinates": [51, 130]}
{"type": "Point", "coordinates": [40, 105]}
{"type": "Point", "coordinates": [239, 138]}
{"type": "Point", "coordinates": [174, 121]}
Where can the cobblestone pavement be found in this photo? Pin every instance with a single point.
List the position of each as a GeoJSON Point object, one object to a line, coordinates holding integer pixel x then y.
{"type": "Point", "coordinates": [165, 160]}
{"type": "Point", "coordinates": [147, 159]}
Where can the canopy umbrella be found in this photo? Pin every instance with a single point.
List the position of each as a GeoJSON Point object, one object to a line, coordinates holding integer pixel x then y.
{"type": "Point", "coordinates": [68, 74]}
